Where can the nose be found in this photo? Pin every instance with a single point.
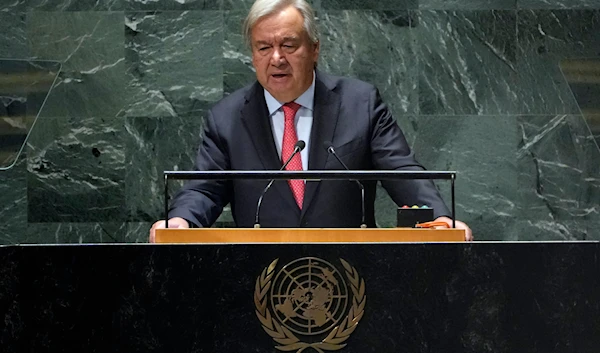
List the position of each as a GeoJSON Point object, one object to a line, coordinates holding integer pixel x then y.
{"type": "Point", "coordinates": [277, 59]}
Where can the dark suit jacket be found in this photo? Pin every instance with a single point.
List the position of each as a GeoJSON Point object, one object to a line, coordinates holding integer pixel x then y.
{"type": "Point", "coordinates": [347, 112]}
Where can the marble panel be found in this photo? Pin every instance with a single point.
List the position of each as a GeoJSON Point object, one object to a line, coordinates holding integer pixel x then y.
{"type": "Point", "coordinates": [237, 57]}
{"type": "Point", "coordinates": [172, 5]}
{"type": "Point", "coordinates": [481, 149]}
{"type": "Point", "coordinates": [374, 46]}
{"type": "Point", "coordinates": [77, 233]}
{"type": "Point", "coordinates": [467, 5]}
{"type": "Point", "coordinates": [174, 61]}
{"type": "Point", "coordinates": [75, 5]}
{"type": "Point", "coordinates": [13, 6]}
{"type": "Point", "coordinates": [13, 202]}
{"type": "Point", "coordinates": [369, 4]}
{"type": "Point", "coordinates": [545, 38]}
{"type": "Point", "coordinates": [90, 46]}
{"type": "Point", "coordinates": [151, 151]}
{"type": "Point", "coordinates": [13, 43]}
{"type": "Point", "coordinates": [137, 232]}
{"type": "Point", "coordinates": [154, 145]}
{"type": "Point", "coordinates": [76, 170]}
{"type": "Point", "coordinates": [467, 62]}
{"type": "Point", "coordinates": [593, 121]}
{"type": "Point", "coordinates": [558, 183]}
{"type": "Point", "coordinates": [558, 4]}
{"type": "Point", "coordinates": [245, 5]}
{"type": "Point", "coordinates": [583, 77]}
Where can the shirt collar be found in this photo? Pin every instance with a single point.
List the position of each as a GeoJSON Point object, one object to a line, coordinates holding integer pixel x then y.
{"type": "Point", "coordinates": [306, 100]}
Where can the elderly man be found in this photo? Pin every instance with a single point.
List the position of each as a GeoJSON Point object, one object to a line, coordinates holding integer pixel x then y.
{"type": "Point", "coordinates": [256, 128]}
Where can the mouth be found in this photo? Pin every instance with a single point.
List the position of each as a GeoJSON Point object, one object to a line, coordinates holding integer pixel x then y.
{"type": "Point", "coordinates": [277, 76]}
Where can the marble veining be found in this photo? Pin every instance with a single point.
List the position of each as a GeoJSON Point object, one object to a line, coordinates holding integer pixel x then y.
{"type": "Point", "coordinates": [13, 42]}
{"type": "Point", "coordinates": [374, 46]}
{"type": "Point", "coordinates": [583, 77]}
{"type": "Point", "coordinates": [12, 6]}
{"type": "Point", "coordinates": [78, 233]}
{"type": "Point", "coordinates": [487, 144]}
{"type": "Point", "coordinates": [237, 59]}
{"type": "Point", "coordinates": [558, 4]}
{"type": "Point", "coordinates": [369, 4]}
{"type": "Point", "coordinates": [545, 38]}
{"type": "Point", "coordinates": [153, 146]}
{"type": "Point", "coordinates": [90, 48]}
{"type": "Point", "coordinates": [173, 61]}
{"type": "Point", "coordinates": [467, 4]}
{"type": "Point", "coordinates": [75, 5]}
{"type": "Point", "coordinates": [172, 5]}
{"type": "Point", "coordinates": [467, 62]}
{"type": "Point", "coordinates": [502, 91]}
{"type": "Point", "coordinates": [87, 183]}
{"type": "Point", "coordinates": [13, 209]}
{"type": "Point", "coordinates": [558, 181]}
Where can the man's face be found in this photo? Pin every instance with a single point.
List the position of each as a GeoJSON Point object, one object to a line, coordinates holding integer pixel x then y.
{"type": "Point", "coordinates": [283, 54]}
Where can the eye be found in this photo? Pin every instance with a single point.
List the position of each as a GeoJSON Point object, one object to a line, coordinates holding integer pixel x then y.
{"type": "Point", "coordinates": [263, 48]}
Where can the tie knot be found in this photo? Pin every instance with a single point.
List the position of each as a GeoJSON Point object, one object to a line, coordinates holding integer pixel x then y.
{"type": "Point", "coordinates": [290, 109]}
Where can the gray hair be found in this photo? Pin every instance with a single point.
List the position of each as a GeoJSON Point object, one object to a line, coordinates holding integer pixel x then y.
{"type": "Point", "coordinates": [263, 8]}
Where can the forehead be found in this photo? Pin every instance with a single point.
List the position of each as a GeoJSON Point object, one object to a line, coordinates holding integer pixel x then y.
{"type": "Point", "coordinates": [286, 23]}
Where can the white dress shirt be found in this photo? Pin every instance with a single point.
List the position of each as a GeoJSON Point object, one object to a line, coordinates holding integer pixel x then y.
{"type": "Point", "coordinates": [303, 120]}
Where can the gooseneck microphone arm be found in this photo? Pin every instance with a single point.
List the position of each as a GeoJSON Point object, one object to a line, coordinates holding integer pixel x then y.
{"type": "Point", "coordinates": [298, 147]}
{"type": "Point", "coordinates": [329, 147]}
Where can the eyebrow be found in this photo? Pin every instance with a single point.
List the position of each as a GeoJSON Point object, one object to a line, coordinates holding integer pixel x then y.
{"type": "Point", "coordinates": [290, 39]}
{"type": "Point", "coordinates": [262, 42]}
{"type": "Point", "coordinates": [284, 39]}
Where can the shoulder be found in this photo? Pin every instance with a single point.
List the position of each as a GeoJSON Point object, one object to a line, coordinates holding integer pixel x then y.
{"type": "Point", "coordinates": [234, 101]}
{"type": "Point", "coordinates": [346, 85]}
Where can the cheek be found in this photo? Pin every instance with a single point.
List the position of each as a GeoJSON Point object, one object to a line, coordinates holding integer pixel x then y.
{"type": "Point", "coordinates": [260, 63]}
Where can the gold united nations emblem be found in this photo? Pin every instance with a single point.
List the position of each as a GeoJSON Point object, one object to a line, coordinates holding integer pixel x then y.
{"type": "Point", "coordinates": [308, 304]}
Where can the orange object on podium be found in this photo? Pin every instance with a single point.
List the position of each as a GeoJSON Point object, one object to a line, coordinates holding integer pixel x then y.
{"type": "Point", "coordinates": [306, 235]}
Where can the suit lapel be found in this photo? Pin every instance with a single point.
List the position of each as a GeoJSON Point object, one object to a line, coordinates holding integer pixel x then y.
{"type": "Point", "coordinates": [255, 117]}
{"type": "Point", "coordinates": [325, 118]}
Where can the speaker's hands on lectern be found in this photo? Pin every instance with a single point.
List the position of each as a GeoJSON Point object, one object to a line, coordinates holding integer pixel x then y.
{"type": "Point", "coordinates": [175, 222]}
{"type": "Point", "coordinates": [459, 225]}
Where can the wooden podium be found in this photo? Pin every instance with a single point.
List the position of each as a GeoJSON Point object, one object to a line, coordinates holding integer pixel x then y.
{"type": "Point", "coordinates": [307, 235]}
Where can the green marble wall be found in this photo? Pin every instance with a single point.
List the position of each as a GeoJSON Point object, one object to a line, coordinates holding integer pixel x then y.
{"type": "Point", "coordinates": [478, 86]}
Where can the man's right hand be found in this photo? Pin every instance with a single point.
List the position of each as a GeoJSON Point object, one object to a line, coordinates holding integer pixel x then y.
{"type": "Point", "coordinates": [176, 222]}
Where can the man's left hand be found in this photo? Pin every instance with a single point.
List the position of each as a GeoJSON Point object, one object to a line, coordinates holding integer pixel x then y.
{"type": "Point", "coordinates": [459, 225]}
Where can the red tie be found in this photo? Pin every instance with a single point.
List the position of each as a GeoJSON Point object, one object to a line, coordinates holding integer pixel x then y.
{"type": "Point", "coordinates": [289, 141]}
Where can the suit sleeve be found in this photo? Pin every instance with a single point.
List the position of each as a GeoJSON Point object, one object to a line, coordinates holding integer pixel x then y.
{"type": "Point", "coordinates": [200, 202]}
{"type": "Point", "coordinates": [390, 151]}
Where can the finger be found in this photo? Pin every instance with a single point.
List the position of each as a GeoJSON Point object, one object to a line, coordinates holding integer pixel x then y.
{"type": "Point", "coordinates": [151, 237]}
{"type": "Point", "coordinates": [468, 235]}
{"type": "Point", "coordinates": [155, 226]}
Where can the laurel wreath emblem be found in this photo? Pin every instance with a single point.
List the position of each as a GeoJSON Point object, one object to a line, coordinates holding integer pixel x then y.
{"type": "Point", "coordinates": [285, 338]}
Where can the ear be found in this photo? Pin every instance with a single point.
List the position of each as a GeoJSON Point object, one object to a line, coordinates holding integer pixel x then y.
{"type": "Point", "coordinates": [317, 47]}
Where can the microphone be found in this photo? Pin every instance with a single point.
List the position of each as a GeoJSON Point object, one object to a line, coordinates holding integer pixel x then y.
{"type": "Point", "coordinates": [329, 147]}
{"type": "Point", "coordinates": [298, 147]}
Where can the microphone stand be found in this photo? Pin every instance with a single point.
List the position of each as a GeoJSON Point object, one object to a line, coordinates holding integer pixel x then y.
{"type": "Point", "coordinates": [297, 149]}
{"type": "Point", "coordinates": [331, 150]}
